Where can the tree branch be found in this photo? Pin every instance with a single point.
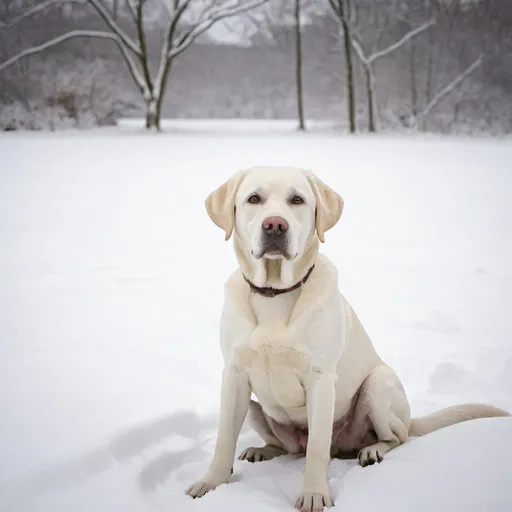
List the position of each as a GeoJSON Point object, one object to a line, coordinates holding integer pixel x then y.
{"type": "Point", "coordinates": [76, 34]}
{"type": "Point", "coordinates": [268, 24]}
{"type": "Point", "coordinates": [202, 26]}
{"type": "Point", "coordinates": [370, 81]}
{"type": "Point", "coordinates": [34, 10]}
{"type": "Point", "coordinates": [395, 46]}
{"type": "Point", "coordinates": [116, 29]}
{"type": "Point", "coordinates": [131, 10]}
{"type": "Point", "coordinates": [207, 9]}
{"type": "Point", "coordinates": [360, 53]}
{"type": "Point", "coordinates": [144, 58]}
{"type": "Point", "coordinates": [334, 5]}
{"type": "Point", "coordinates": [178, 13]}
{"type": "Point", "coordinates": [179, 10]}
{"type": "Point", "coordinates": [451, 86]}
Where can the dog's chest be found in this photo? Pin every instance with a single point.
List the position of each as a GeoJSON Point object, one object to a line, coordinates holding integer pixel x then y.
{"type": "Point", "coordinates": [273, 313]}
{"type": "Point", "coordinates": [275, 365]}
{"type": "Point", "coordinates": [275, 371]}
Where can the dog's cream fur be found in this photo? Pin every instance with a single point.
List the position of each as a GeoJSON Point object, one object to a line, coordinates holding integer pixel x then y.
{"type": "Point", "coordinates": [304, 354]}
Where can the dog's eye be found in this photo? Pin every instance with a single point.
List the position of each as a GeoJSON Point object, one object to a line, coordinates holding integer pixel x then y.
{"type": "Point", "coordinates": [254, 199]}
{"type": "Point", "coordinates": [297, 200]}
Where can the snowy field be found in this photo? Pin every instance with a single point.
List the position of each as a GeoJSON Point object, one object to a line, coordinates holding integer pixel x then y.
{"type": "Point", "coordinates": [111, 289]}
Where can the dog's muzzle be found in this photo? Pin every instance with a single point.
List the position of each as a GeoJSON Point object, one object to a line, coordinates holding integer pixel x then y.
{"type": "Point", "coordinates": [274, 238]}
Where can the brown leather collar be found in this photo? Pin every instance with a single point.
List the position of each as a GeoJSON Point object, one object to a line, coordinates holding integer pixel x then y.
{"type": "Point", "coordinates": [268, 291]}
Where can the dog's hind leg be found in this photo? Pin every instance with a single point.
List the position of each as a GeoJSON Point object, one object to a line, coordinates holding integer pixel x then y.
{"type": "Point", "coordinates": [266, 429]}
{"type": "Point", "coordinates": [383, 396]}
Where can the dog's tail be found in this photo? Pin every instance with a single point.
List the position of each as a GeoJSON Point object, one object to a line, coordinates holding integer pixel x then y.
{"type": "Point", "coordinates": [452, 415]}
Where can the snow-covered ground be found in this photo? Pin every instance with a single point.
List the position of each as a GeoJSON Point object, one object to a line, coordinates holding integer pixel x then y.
{"type": "Point", "coordinates": [111, 288]}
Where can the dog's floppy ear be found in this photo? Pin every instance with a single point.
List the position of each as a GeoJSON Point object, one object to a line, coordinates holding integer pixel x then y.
{"type": "Point", "coordinates": [220, 204]}
{"type": "Point", "coordinates": [329, 205]}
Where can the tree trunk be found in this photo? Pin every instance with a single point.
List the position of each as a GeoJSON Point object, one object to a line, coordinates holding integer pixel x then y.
{"type": "Point", "coordinates": [414, 86]}
{"type": "Point", "coordinates": [298, 65]}
{"type": "Point", "coordinates": [430, 76]}
{"type": "Point", "coordinates": [351, 97]}
{"type": "Point", "coordinates": [152, 120]}
{"type": "Point", "coordinates": [161, 94]}
{"type": "Point", "coordinates": [371, 100]}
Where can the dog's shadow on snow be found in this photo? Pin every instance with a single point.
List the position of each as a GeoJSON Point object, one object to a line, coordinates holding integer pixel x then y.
{"type": "Point", "coordinates": [142, 437]}
{"type": "Point", "coordinates": [201, 433]}
{"type": "Point", "coordinates": [187, 426]}
{"type": "Point", "coordinates": [159, 469]}
{"type": "Point", "coordinates": [124, 447]}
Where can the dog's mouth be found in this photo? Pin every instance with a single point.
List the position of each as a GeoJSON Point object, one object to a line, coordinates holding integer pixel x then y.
{"type": "Point", "coordinates": [272, 251]}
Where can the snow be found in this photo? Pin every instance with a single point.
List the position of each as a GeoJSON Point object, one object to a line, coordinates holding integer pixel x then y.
{"type": "Point", "coordinates": [112, 282]}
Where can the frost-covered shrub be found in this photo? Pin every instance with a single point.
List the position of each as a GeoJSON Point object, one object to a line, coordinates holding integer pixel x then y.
{"type": "Point", "coordinates": [80, 96]}
{"type": "Point", "coordinates": [33, 116]}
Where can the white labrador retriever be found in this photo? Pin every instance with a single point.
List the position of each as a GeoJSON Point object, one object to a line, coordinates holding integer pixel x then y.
{"type": "Point", "coordinates": [290, 337]}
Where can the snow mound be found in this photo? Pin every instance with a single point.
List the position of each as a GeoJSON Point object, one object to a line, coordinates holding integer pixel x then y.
{"type": "Point", "coordinates": [462, 468]}
{"type": "Point", "coordinates": [448, 377]}
{"type": "Point", "coordinates": [434, 472]}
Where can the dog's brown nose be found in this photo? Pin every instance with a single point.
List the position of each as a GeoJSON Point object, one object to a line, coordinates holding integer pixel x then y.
{"type": "Point", "coordinates": [275, 226]}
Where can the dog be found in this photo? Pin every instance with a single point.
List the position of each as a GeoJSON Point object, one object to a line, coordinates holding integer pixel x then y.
{"type": "Point", "coordinates": [289, 337]}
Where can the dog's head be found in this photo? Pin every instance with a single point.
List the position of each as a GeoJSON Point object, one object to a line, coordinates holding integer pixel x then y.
{"type": "Point", "coordinates": [275, 210]}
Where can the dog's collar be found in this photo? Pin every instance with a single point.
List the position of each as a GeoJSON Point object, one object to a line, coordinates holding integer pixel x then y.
{"type": "Point", "coordinates": [268, 291]}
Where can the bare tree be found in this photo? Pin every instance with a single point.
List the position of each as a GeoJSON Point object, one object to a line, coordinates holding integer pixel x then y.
{"type": "Point", "coordinates": [341, 9]}
{"type": "Point", "coordinates": [186, 20]}
{"type": "Point", "coordinates": [369, 61]}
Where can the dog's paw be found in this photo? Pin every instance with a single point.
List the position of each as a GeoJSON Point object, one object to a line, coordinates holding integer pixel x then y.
{"type": "Point", "coordinates": [369, 456]}
{"type": "Point", "coordinates": [199, 489]}
{"type": "Point", "coordinates": [313, 502]}
{"type": "Point", "coordinates": [266, 452]}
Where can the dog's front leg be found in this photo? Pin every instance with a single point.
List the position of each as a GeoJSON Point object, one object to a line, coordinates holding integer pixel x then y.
{"type": "Point", "coordinates": [234, 404]}
{"type": "Point", "coordinates": [320, 397]}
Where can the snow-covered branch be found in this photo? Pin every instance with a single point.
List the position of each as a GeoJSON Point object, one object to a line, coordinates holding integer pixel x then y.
{"type": "Point", "coordinates": [53, 42]}
{"type": "Point", "coordinates": [131, 11]}
{"type": "Point", "coordinates": [73, 35]}
{"type": "Point", "coordinates": [178, 12]}
{"type": "Point", "coordinates": [360, 53]}
{"type": "Point", "coordinates": [113, 25]}
{"type": "Point", "coordinates": [395, 46]}
{"type": "Point", "coordinates": [139, 17]}
{"type": "Point", "coordinates": [337, 7]}
{"type": "Point", "coordinates": [222, 12]}
{"type": "Point", "coordinates": [451, 86]}
{"type": "Point", "coordinates": [35, 10]}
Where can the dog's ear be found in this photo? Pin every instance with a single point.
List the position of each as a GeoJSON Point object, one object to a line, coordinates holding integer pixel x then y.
{"type": "Point", "coordinates": [329, 205]}
{"type": "Point", "coordinates": [220, 204]}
